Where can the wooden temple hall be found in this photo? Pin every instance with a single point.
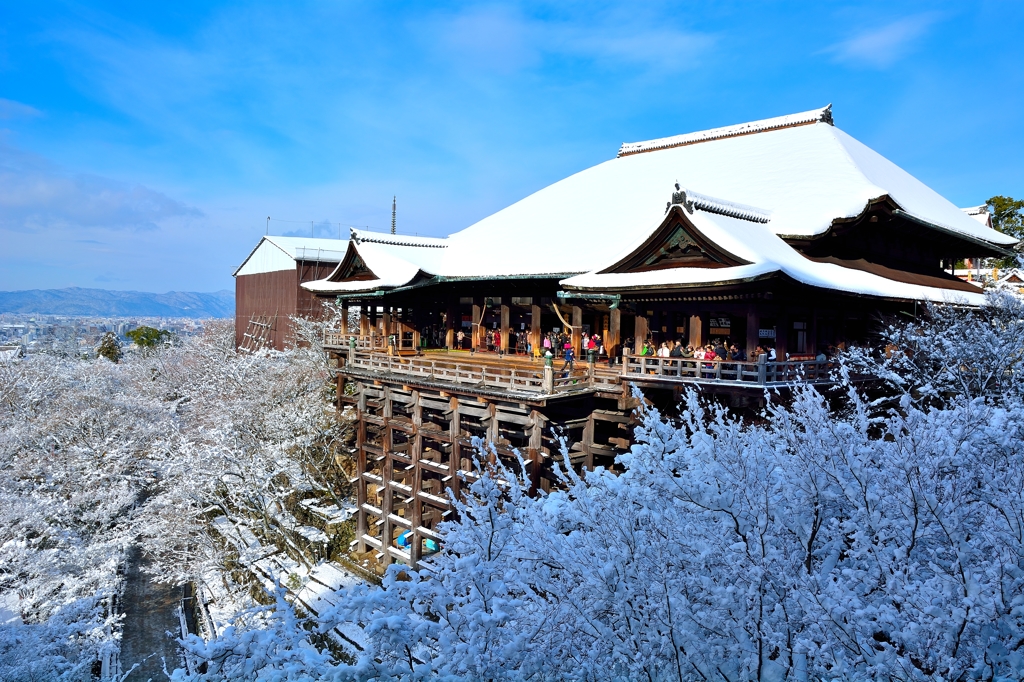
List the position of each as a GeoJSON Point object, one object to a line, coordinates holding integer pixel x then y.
{"type": "Point", "coordinates": [785, 232]}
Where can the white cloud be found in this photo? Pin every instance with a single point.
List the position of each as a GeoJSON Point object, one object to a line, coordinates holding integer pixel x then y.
{"type": "Point", "coordinates": [36, 195]}
{"type": "Point", "coordinates": [10, 109]}
{"type": "Point", "coordinates": [883, 46]}
{"type": "Point", "coordinates": [502, 39]}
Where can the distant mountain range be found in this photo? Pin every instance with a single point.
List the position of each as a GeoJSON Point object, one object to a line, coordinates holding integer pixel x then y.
{"type": "Point", "coordinates": [105, 303]}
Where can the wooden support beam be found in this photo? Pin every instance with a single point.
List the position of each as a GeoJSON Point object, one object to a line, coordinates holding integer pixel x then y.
{"type": "Point", "coordinates": [535, 330]}
{"type": "Point", "coordinates": [451, 322]}
{"type": "Point", "coordinates": [640, 335]}
{"type": "Point", "coordinates": [782, 329]}
{"type": "Point", "coordinates": [588, 442]}
{"type": "Point", "coordinates": [534, 449]}
{"type": "Point", "coordinates": [577, 331]}
{"type": "Point", "coordinates": [696, 331]}
{"type": "Point", "coordinates": [478, 335]}
{"type": "Point", "coordinates": [361, 525]}
{"type": "Point", "coordinates": [614, 336]}
{"type": "Point", "coordinates": [416, 516]}
{"type": "Point", "coordinates": [753, 324]}
{"type": "Point", "coordinates": [454, 433]}
{"type": "Point", "coordinates": [387, 504]}
{"type": "Point", "coordinates": [364, 320]}
{"type": "Point", "coordinates": [504, 325]}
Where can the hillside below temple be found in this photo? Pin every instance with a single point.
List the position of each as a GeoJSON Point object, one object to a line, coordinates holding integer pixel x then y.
{"type": "Point", "coordinates": [784, 233]}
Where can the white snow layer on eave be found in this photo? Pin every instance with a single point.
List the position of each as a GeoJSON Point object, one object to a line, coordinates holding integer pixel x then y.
{"type": "Point", "coordinates": [324, 286]}
{"type": "Point", "coordinates": [726, 131]}
{"type": "Point", "coordinates": [308, 248]}
{"type": "Point", "coordinates": [397, 265]}
{"type": "Point", "coordinates": [266, 257]}
{"type": "Point", "coordinates": [768, 253]}
{"type": "Point", "coordinates": [914, 196]}
{"type": "Point", "coordinates": [275, 253]}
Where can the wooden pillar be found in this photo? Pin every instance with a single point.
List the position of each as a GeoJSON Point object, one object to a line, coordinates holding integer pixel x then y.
{"type": "Point", "coordinates": [454, 434]}
{"type": "Point", "coordinates": [812, 333]}
{"type": "Point", "coordinates": [387, 529]}
{"type": "Point", "coordinates": [452, 322]}
{"type": "Point", "coordinates": [696, 331]}
{"type": "Point", "coordinates": [535, 445]}
{"type": "Point", "coordinates": [577, 331]}
{"type": "Point", "coordinates": [588, 442]}
{"type": "Point", "coordinates": [535, 327]}
{"type": "Point", "coordinates": [387, 321]}
{"type": "Point", "coordinates": [364, 320]}
{"type": "Point", "coordinates": [782, 330]}
{"type": "Point", "coordinates": [478, 334]}
{"type": "Point", "coordinates": [361, 525]}
{"type": "Point", "coordinates": [416, 513]}
{"type": "Point", "coordinates": [753, 340]}
{"type": "Point", "coordinates": [614, 336]}
{"type": "Point", "coordinates": [504, 326]}
{"type": "Point", "coordinates": [640, 335]}
{"type": "Point", "coordinates": [412, 324]}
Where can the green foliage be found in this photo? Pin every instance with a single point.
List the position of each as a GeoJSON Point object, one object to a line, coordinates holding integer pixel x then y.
{"type": "Point", "coordinates": [109, 348]}
{"type": "Point", "coordinates": [148, 337]}
{"type": "Point", "coordinates": [1008, 218]}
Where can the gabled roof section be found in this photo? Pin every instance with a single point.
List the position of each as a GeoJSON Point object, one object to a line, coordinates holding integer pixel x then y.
{"type": "Point", "coordinates": [678, 243]}
{"type": "Point", "coordinates": [980, 213]}
{"type": "Point", "coordinates": [823, 115]}
{"type": "Point", "coordinates": [274, 253]}
{"type": "Point", "coordinates": [378, 260]}
{"type": "Point", "coordinates": [757, 252]}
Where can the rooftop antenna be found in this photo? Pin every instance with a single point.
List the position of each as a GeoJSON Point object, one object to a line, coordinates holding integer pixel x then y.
{"type": "Point", "coordinates": [394, 206]}
{"type": "Point", "coordinates": [268, 224]}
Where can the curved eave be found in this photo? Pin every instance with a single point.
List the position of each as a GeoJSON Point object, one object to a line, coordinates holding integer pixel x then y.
{"type": "Point", "coordinates": [1000, 249]}
{"type": "Point", "coordinates": [632, 283]}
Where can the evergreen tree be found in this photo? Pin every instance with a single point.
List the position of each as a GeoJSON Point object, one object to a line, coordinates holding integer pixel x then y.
{"type": "Point", "coordinates": [1008, 218]}
{"type": "Point", "coordinates": [147, 337]}
{"type": "Point", "coordinates": [109, 348]}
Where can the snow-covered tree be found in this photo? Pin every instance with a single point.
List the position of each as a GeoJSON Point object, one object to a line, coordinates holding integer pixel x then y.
{"type": "Point", "coordinates": [817, 544]}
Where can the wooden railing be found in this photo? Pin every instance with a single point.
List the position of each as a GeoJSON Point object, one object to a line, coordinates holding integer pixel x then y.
{"type": "Point", "coordinates": [762, 373]}
{"type": "Point", "coordinates": [509, 377]}
{"type": "Point", "coordinates": [523, 376]}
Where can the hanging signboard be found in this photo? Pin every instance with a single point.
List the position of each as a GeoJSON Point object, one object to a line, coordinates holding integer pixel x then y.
{"type": "Point", "coordinates": [720, 326]}
{"type": "Point", "coordinates": [766, 333]}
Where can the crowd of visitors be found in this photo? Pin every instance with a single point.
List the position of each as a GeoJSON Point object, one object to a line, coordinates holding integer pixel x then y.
{"type": "Point", "coordinates": [559, 345]}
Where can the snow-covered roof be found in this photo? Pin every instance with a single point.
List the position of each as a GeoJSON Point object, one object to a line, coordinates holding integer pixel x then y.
{"type": "Point", "coordinates": [394, 260]}
{"type": "Point", "coordinates": [800, 171]}
{"type": "Point", "coordinates": [979, 213]}
{"type": "Point", "coordinates": [823, 115]}
{"type": "Point", "coordinates": [274, 253]}
{"type": "Point", "coordinates": [766, 254]}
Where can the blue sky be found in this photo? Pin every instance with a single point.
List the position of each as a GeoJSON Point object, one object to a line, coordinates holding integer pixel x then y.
{"type": "Point", "coordinates": [143, 145]}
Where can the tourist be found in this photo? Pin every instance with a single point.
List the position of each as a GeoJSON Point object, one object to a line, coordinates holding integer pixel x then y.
{"type": "Point", "coordinates": [677, 350]}
{"type": "Point", "coordinates": [570, 357]}
{"type": "Point", "coordinates": [663, 351]}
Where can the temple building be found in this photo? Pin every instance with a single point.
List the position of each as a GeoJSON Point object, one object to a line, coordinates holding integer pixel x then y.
{"type": "Point", "coordinates": [785, 231]}
{"type": "Point", "coordinates": [267, 287]}
{"type": "Point", "coordinates": [784, 234]}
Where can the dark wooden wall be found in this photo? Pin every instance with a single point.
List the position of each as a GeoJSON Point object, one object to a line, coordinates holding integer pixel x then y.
{"type": "Point", "coordinates": [271, 294]}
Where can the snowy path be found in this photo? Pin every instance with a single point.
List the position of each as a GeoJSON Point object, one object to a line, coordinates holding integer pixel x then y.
{"type": "Point", "coordinates": [149, 614]}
